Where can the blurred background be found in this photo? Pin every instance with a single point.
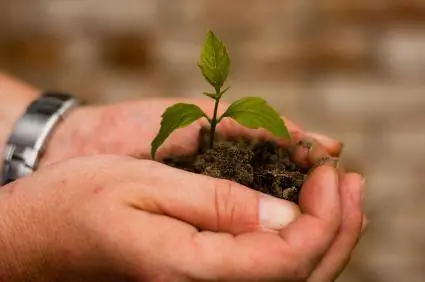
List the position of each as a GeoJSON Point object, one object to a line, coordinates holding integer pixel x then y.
{"type": "Point", "coordinates": [352, 69]}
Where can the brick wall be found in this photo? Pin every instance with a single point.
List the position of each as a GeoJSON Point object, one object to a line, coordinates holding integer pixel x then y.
{"type": "Point", "coordinates": [353, 69]}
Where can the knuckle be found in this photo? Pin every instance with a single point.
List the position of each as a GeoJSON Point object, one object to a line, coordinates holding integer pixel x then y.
{"type": "Point", "coordinates": [225, 204]}
{"type": "Point", "coordinates": [236, 208]}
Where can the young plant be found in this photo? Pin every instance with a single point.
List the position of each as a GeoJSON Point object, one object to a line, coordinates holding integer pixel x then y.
{"type": "Point", "coordinates": [252, 112]}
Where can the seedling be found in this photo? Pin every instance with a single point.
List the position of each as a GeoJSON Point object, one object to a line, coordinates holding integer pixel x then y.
{"type": "Point", "coordinates": [252, 112]}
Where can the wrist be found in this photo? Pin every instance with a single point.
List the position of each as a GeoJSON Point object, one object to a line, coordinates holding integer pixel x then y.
{"type": "Point", "coordinates": [31, 133]}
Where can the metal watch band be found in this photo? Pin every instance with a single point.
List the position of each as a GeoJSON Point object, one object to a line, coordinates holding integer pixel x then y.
{"type": "Point", "coordinates": [31, 132]}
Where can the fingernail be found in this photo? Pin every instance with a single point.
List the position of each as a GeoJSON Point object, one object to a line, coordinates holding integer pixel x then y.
{"type": "Point", "coordinates": [362, 189]}
{"type": "Point", "coordinates": [275, 213]}
{"type": "Point", "coordinates": [365, 223]}
{"type": "Point", "coordinates": [305, 144]}
{"type": "Point", "coordinates": [341, 146]}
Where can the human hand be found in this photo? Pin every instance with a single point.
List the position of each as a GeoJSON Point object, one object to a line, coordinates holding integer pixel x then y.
{"type": "Point", "coordinates": [121, 129]}
{"type": "Point", "coordinates": [119, 219]}
{"type": "Point", "coordinates": [125, 128]}
{"type": "Point", "coordinates": [128, 129]}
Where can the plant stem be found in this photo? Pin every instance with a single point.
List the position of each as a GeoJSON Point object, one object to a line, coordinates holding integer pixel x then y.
{"type": "Point", "coordinates": [214, 119]}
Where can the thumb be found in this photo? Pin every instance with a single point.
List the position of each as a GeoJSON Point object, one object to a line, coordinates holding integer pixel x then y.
{"type": "Point", "coordinates": [208, 203]}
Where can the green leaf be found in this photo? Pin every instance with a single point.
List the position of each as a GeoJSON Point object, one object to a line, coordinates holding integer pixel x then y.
{"type": "Point", "coordinates": [177, 116]}
{"type": "Point", "coordinates": [215, 61]}
{"type": "Point", "coordinates": [254, 112]}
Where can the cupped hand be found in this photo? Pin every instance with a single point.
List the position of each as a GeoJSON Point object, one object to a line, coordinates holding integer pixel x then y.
{"type": "Point", "coordinates": [109, 218]}
{"type": "Point", "coordinates": [128, 129]}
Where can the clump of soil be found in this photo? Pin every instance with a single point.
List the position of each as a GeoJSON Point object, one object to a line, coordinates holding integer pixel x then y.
{"type": "Point", "coordinates": [260, 165]}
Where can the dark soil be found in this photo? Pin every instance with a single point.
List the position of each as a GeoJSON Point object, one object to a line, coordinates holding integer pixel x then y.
{"type": "Point", "coordinates": [261, 165]}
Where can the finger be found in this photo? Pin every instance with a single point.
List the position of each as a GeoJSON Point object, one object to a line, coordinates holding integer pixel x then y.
{"type": "Point", "coordinates": [350, 230]}
{"type": "Point", "coordinates": [209, 108]}
{"type": "Point", "coordinates": [232, 129]}
{"type": "Point", "coordinates": [306, 151]}
{"type": "Point", "coordinates": [207, 203]}
{"type": "Point", "coordinates": [289, 255]}
{"type": "Point", "coordinates": [229, 128]}
{"type": "Point", "coordinates": [321, 214]}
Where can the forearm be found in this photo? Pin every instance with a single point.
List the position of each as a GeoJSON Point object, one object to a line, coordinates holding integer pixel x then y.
{"type": "Point", "coordinates": [15, 96]}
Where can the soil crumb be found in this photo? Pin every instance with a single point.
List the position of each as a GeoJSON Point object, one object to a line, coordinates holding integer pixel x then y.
{"type": "Point", "coordinates": [260, 165]}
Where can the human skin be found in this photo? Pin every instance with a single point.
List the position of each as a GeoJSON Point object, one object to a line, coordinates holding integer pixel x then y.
{"type": "Point", "coordinates": [126, 129]}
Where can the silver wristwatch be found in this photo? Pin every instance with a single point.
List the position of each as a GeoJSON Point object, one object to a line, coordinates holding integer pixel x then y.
{"type": "Point", "coordinates": [27, 141]}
